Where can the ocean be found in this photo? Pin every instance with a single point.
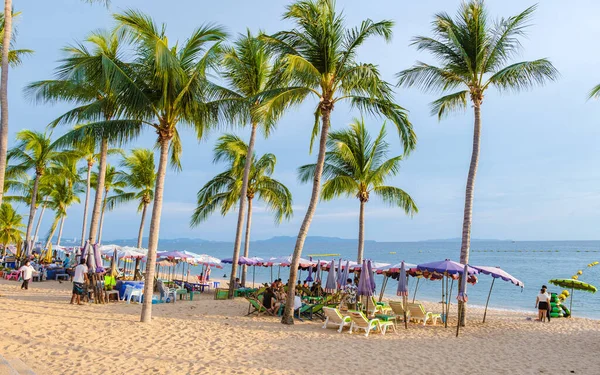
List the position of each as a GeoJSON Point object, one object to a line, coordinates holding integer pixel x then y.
{"type": "Point", "coordinates": [533, 262]}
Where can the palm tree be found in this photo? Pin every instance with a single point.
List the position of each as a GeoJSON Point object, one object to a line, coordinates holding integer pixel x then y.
{"type": "Point", "coordinates": [319, 59]}
{"type": "Point", "coordinates": [356, 166]}
{"type": "Point", "coordinates": [12, 57]}
{"type": "Point", "coordinates": [249, 74]}
{"type": "Point", "coordinates": [224, 189]}
{"type": "Point", "coordinates": [164, 88]}
{"type": "Point", "coordinates": [21, 188]}
{"type": "Point", "coordinates": [35, 151]}
{"type": "Point", "coordinates": [140, 175]}
{"type": "Point", "coordinates": [11, 226]}
{"type": "Point", "coordinates": [83, 79]}
{"type": "Point", "coordinates": [474, 53]}
{"type": "Point", "coordinates": [63, 194]}
{"type": "Point", "coordinates": [112, 183]}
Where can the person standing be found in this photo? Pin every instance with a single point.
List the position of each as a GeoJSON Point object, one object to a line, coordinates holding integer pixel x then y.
{"type": "Point", "coordinates": [79, 280]}
{"type": "Point", "coordinates": [27, 273]}
{"type": "Point", "coordinates": [350, 295]}
{"type": "Point", "coordinates": [542, 302]}
{"type": "Point", "coordinates": [545, 290]}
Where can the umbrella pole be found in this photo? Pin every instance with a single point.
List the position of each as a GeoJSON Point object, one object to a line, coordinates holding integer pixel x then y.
{"type": "Point", "coordinates": [383, 285]}
{"type": "Point", "coordinates": [488, 300]}
{"type": "Point", "coordinates": [271, 274]}
{"type": "Point", "coordinates": [446, 304]}
{"type": "Point", "coordinates": [571, 303]}
{"type": "Point", "coordinates": [415, 293]}
{"type": "Point", "coordinates": [449, 298]}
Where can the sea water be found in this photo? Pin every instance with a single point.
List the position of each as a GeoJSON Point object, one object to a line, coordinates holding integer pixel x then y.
{"type": "Point", "coordinates": [533, 262]}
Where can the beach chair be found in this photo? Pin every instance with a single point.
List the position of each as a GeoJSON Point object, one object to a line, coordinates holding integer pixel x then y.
{"type": "Point", "coordinates": [310, 310]}
{"type": "Point", "coordinates": [399, 311]}
{"type": "Point", "coordinates": [335, 318]}
{"type": "Point", "coordinates": [256, 307]}
{"type": "Point", "coordinates": [418, 313]}
{"type": "Point", "coordinates": [360, 322]}
{"type": "Point", "coordinates": [165, 292]}
{"type": "Point", "coordinates": [13, 275]}
{"type": "Point", "coordinates": [383, 307]}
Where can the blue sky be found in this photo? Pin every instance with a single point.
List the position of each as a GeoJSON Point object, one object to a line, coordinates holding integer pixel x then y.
{"type": "Point", "coordinates": [538, 177]}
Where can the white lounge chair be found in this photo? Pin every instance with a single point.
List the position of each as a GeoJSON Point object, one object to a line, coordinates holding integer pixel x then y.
{"type": "Point", "coordinates": [335, 318]}
{"type": "Point", "coordinates": [360, 322]}
{"type": "Point", "coordinates": [399, 311]}
{"type": "Point", "coordinates": [418, 313]}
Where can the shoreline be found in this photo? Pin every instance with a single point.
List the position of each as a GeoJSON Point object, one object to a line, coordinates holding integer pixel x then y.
{"type": "Point", "coordinates": [209, 336]}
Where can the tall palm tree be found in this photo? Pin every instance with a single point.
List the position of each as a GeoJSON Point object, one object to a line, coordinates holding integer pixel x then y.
{"type": "Point", "coordinates": [165, 88]}
{"type": "Point", "coordinates": [112, 183]}
{"type": "Point", "coordinates": [83, 79]}
{"type": "Point", "coordinates": [35, 151]}
{"type": "Point", "coordinates": [10, 56]}
{"type": "Point", "coordinates": [139, 175]}
{"type": "Point", "coordinates": [249, 73]}
{"type": "Point", "coordinates": [319, 58]}
{"type": "Point", "coordinates": [474, 55]}
{"type": "Point", "coordinates": [356, 166]}
{"type": "Point", "coordinates": [224, 189]}
{"type": "Point", "coordinates": [21, 189]}
{"type": "Point", "coordinates": [11, 226]}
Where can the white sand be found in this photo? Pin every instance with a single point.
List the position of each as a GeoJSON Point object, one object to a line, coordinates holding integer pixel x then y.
{"type": "Point", "coordinates": [215, 337]}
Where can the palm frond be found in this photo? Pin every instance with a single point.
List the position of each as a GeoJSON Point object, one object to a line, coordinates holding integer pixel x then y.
{"type": "Point", "coordinates": [524, 75]}
{"type": "Point", "coordinates": [449, 103]}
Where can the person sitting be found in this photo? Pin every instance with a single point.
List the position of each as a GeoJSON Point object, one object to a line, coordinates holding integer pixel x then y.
{"type": "Point", "coordinates": [297, 304]}
{"type": "Point", "coordinates": [269, 301]}
{"type": "Point", "coordinates": [237, 284]}
{"type": "Point", "coordinates": [66, 262]}
{"type": "Point", "coordinates": [316, 290]}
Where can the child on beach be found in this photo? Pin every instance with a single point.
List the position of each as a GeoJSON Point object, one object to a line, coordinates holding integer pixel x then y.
{"type": "Point", "coordinates": [27, 272]}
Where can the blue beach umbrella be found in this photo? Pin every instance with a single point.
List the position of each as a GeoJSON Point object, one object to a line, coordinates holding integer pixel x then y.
{"type": "Point", "coordinates": [331, 284]}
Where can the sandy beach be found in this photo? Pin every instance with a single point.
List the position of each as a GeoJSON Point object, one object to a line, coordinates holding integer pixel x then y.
{"type": "Point", "coordinates": [208, 336]}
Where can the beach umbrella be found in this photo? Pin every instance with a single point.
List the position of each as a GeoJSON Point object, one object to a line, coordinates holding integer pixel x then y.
{"type": "Point", "coordinates": [365, 287]}
{"type": "Point", "coordinates": [371, 276]}
{"type": "Point", "coordinates": [113, 264]}
{"type": "Point", "coordinates": [331, 284]}
{"type": "Point", "coordinates": [309, 277]}
{"type": "Point", "coordinates": [496, 273]}
{"type": "Point", "coordinates": [573, 285]}
{"type": "Point", "coordinates": [48, 257]}
{"type": "Point", "coordinates": [241, 261]}
{"type": "Point", "coordinates": [403, 290]}
{"type": "Point", "coordinates": [462, 295]}
{"type": "Point", "coordinates": [98, 258]}
{"type": "Point", "coordinates": [318, 272]}
{"type": "Point", "coordinates": [346, 272]}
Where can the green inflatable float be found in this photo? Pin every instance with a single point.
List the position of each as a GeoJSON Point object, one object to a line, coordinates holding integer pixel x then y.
{"type": "Point", "coordinates": [557, 309]}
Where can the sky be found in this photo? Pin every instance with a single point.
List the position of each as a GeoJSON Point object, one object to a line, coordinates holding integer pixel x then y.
{"type": "Point", "coordinates": [538, 176]}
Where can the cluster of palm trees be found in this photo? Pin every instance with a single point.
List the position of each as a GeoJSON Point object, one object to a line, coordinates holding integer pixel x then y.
{"type": "Point", "coordinates": [133, 77]}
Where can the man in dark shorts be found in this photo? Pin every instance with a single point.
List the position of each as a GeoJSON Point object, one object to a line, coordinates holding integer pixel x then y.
{"type": "Point", "coordinates": [79, 280]}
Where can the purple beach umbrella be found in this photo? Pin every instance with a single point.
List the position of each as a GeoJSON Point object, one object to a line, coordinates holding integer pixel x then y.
{"type": "Point", "coordinates": [98, 257]}
{"type": "Point", "coordinates": [346, 272]}
{"type": "Point", "coordinates": [318, 272]}
{"type": "Point", "coordinates": [371, 276]}
{"type": "Point", "coordinates": [241, 261]}
{"type": "Point", "coordinates": [403, 290]}
{"type": "Point", "coordinates": [446, 266]}
{"type": "Point", "coordinates": [340, 275]}
{"type": "Point", "coordinates": [331, 284]}
{"type": "Point", "coordinates": [497, 273]}
{"type": "Point", "coordinates": [365, 287]}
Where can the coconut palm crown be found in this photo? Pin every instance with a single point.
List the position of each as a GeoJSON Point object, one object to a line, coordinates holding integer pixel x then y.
{"type": "Point", "coordinates": [356, 166]}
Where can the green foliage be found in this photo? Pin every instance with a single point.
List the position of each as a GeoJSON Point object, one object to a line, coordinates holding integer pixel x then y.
{"type": "Point", "coordinates": [318, 57]}
{"type": "Point", "coordinates": [474, 53]}
{"type": "Point", "coordinates": [356, 165]}
{"type": "Point", "coordinates": [223, 191]}
{"type": "Point", "coordinates": [15, 56]}
{"type": "Point", "coordinates": [139, 175]}
{"type": "Point", "coordinates": [11, 225]}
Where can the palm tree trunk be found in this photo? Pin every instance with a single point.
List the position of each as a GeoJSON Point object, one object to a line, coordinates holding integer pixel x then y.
{"type": "Point", "coordinates": [62, 223]}
{"type": "Point", "coordinates": [247, 240]}
{"type": "Point", "coordinates": [99, 240]}
{"type": "Point", "coordinates": [146, 316]}
{"type": "Point", "coordinates": [141, 232]}
{"type": "Point", "coordinates": [361, 232]}
{"type": "Point", "coordinates": [87, 200]}
{"type": "Point", "coordinates": [288, 314]}
{"type": "Point", "coordinates": [241, 212]}
{"type": "Point", "coordinates": [4, 93]}
{"type": "Point", "coordinates": [52, 231]}
{"type": "Point", "coordinates": [99, 192]}
{"type": "Point", "coordinates": [36, 184]}
{"type": "Point", "coordinates": [37, 226]}
{"type": "Point", "coordinates": [468, 214]}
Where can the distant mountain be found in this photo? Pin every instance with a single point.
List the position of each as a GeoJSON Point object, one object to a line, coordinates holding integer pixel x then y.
{"type": "Point", "coordinates": [458, 239]}
{"type": "Point", "coordinates": [310, 239]}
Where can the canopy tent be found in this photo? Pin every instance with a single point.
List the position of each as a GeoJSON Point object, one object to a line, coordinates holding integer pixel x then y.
{"type": "Point", "coordinates": [496, 273]}
{"type": "Point", "coordinates": [451, 270]}
{"type": "Point", "coordinates": [573, 285]}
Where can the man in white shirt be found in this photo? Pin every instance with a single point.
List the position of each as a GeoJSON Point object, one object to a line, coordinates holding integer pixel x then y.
{"type": "Point", "coordinates": [79, 279]}
{"type": "Point", "coordinates": [27, 273]}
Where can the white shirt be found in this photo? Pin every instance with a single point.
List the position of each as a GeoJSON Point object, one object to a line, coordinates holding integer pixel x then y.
{"type": "Point", "coordinates": [27, 272]}
{"type": "Point", "coordinates": [80, 270]}
{"type": "Point", "coordinates": [297, 302]}
{"type": "Point", "coordinates": [543, 297]}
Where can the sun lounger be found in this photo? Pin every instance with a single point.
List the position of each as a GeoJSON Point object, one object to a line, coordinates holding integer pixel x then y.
{"type": "Point", "coordinates": [309, 310]}
{"type": "Point", "coordinates": [418, 313]}
{"type": "Point", "coordinates": [360, 322]}
{"type": "Point", "coordinates": [256, 307]}
{"type": "Point", "coordinates": [398, 310]}
{"type": "Point", "coordinates": [221, 293]}
{"type": "Point", "coordinates": [335, 318]}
